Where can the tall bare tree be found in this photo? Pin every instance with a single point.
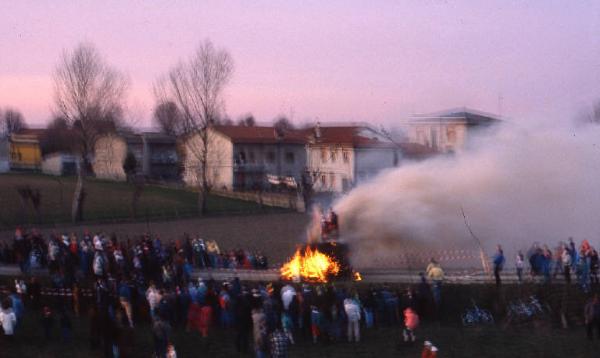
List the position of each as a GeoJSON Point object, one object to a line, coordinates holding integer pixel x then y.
{"type": "Point", "coordinates": [196, 86]}
{"type": "Point", "coordinates": [89, 97]}
{"type": "Point", "coordinates": [11, 121]}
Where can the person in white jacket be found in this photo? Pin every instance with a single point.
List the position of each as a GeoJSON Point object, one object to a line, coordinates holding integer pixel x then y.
{"type": "Point", "coordinates": [8, 320]}
{"type": "Point", "coordinates": [352, 308]}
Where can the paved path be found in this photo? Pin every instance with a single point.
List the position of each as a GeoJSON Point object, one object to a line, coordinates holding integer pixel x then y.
{"type": "Point", "coordinates": [369, 276]}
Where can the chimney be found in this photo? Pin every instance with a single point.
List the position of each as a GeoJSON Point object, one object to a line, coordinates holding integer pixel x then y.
{"type": "Point", "coordinates": [318, 130]}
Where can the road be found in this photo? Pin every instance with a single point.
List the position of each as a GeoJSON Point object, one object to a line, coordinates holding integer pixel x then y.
{"type": "Point", "coordinates": [368, 276]}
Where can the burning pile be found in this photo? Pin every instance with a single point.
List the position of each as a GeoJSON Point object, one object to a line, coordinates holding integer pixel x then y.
{"type": "Point", "coordinates": [310, 265]}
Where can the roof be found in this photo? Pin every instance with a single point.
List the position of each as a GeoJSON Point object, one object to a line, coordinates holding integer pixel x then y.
{"type": "Point", "coordinates": [356, 136]}
{"type": "Point", "coordinates": [37, 132]}
{"type": "Point", "coordinates": [464, 115]}
{"type": "Point", "coordinates": [261, 135]}
{"type": "Point", "coordinates": [29, 135]}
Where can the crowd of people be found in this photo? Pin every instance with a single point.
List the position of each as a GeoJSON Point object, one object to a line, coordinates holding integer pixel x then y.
{"type": "Point", "coordinates": [147, 281]}
{"type": "Point", "coordinates": [89, 254]}
{"type": "Point", "coordinates": [566, 260]}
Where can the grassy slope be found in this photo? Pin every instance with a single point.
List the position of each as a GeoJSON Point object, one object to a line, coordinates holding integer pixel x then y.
{"type": "Point", "coordinates": [105, 201]}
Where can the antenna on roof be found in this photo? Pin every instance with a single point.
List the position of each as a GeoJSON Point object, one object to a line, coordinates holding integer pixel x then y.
{"type": "Point", "coordinates": [500, 104]}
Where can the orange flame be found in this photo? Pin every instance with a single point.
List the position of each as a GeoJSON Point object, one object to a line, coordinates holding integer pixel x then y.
{"type": "Point", "coordinates": [357, 276]}
{"type": "Point", "coordinates": [310, 265]}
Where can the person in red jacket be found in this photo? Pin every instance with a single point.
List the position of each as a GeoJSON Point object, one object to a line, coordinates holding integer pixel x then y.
{"type": "Point", "coordinates": [205, 319]}
{"type": "Point", "coordinates": [411, 322]}
{"type": "Point", "coordinates": [193, 319]}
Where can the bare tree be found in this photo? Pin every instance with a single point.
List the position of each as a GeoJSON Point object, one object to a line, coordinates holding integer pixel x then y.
{"type": "Point", "coordinates": [168, 118]}
{"type": "Point", "coordinates": [196, 86]}
{"type": "Point", "coordinates": [11, 121]}
{"type": "Point", "coordinates": [247, 121]}
{"type": "Point", "coordinates": [58, 137]}
{"type": "Point", "coordinates": [89, 96]}
{"type": "Point", "coordinates": [282, 124]}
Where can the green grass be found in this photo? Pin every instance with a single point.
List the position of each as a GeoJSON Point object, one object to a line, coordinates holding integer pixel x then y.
{"type": "Point", "coordinates": [105, 201]}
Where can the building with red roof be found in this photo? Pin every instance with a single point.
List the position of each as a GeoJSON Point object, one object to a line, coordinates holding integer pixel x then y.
{"type": "Point", "coordinates": [329, 158]}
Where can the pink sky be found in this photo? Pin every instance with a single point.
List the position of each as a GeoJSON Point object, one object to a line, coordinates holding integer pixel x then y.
{"type": "Point", "coordinates": [375, 61]}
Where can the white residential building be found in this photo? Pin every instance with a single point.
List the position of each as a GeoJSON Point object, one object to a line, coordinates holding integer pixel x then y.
{"type": "Point", "coordinates": [448, 131]}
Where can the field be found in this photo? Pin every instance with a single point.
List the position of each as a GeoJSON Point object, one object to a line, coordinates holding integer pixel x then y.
{"type": "Point", "coordinates": [105, 202]}
{"type": "Point", "coordinates": [544, 338]}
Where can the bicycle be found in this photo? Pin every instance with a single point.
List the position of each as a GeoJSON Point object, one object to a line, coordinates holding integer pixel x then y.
{"type": "Point", "coordinates": [476, 315]}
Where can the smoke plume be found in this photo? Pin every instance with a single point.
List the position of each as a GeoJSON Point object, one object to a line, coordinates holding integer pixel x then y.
{"type": "Point", "coordinates": [517, 187]}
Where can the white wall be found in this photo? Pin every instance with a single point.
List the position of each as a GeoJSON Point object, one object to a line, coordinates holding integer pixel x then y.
{"type": "Point", "coordinates": [332, 169]}
{"type": "Point", "coordinates": [52, 164]}
{"type": "Point", "coordinates": [449, 136]}
{"type": "Point", "coordinates": [220, 160]}
{"type": "Point", "coordinates": [109, 156]}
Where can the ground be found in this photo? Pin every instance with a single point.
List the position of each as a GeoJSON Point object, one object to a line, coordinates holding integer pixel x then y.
{"type": "Point", "coordinates": [105, 201]}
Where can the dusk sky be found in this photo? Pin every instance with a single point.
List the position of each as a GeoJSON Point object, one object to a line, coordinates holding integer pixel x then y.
{"type": "Point", "coordinates": [375, 61]}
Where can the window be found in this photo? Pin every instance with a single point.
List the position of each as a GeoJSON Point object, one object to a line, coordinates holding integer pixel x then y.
{"type": "Point", "coordinates": [323, 180]}
{"type": "Point", "coordinates": [324, 155]}
{"type": "Point", "coordinates": [270, 157]}
{"type": "Point", "coordinates": [251, 157]}
{"type": "Point", "coordinates": [451, 135]}
{"type": "Point", "coordinates": [434, 138]}
{"type": "Point", "coordinates": [346, 157]}
{"type": "Point", "coordinates": [289, 157]}
{"type": "Point", "coordinates": [333, 155]}
{"type": "Point", "coordinates": [332, 179]}
{"type": "Point", "coordinates": [242, 157]}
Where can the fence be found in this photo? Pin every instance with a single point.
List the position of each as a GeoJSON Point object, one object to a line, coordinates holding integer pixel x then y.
{"type": "Point", "coordinates": [281, 200]}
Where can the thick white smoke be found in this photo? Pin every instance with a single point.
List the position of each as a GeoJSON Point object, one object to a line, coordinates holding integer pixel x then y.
{"type": "Point", "coordinates": [516, 188]}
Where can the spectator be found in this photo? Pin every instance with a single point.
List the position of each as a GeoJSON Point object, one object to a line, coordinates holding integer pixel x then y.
{"type": "Point", "coordinates": [567, 262]}
{"type": "Point", "coordinates": [592, 317]}
{"type": "Point", "coordinates": [47, 322]}
{"type": "Point", "coordinates": [520, 265]}
{"type": "Point", "coordinates": [436, 274]}
{"type": "Point", "coordinates": [259, 323]}
{"type": "Point", "coordinates": [125, 300]}
{"type": "Point", "coordinates": [352, 309]}
{"type": "Point", "coordinates": [429, 351]}
{"type": "Point", "coordinates": [206, 313]}
{"type": "Point", "coordinates": [65, 326]}
{"type": "Point", "coordinates": [279, 343]}
{"type": "Point", "coordinates": [17, 305]}
{"type": "Point", "coordinates": [161, 332]}
{"type": "Point", "coordinates": [411, 322]}
{"type": "Point", "coordinates": [171, 353]}
{"type": "Point", "coordinates": [8, 320]}
{"type": "Point", "coordinates": [498, 264]}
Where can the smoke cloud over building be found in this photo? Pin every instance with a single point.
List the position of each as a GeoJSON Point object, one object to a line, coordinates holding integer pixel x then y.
{"type": "Point", "coordinates": [517, 187]}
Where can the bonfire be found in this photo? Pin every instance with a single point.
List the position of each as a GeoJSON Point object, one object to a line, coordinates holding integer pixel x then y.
{"type": "Point", "coordinates": [310, 265]}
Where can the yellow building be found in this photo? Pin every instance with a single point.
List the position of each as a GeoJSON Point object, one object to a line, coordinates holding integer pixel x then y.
{"type": "Point", "coordinates": [25, 152]}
